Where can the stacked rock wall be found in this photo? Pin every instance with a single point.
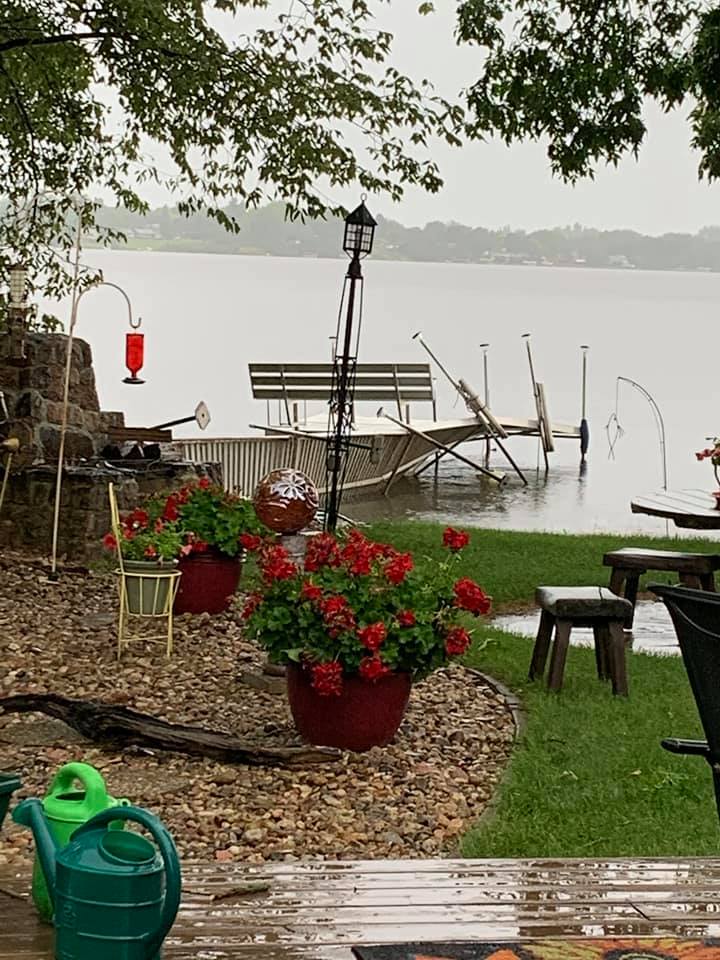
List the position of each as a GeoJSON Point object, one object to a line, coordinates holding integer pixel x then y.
{"type": "Point", "coordinates": [33, 392]}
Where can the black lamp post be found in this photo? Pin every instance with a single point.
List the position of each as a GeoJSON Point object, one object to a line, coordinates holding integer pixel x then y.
{"type": "Point", "coordinates": [357, 244]}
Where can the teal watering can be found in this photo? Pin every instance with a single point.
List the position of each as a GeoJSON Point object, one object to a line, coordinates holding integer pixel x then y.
{"type": "Point", "coordinates": [115, 894]}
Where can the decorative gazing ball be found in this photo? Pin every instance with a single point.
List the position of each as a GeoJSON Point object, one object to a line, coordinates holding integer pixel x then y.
{"type": "Point", "coordinates": [286, 500]}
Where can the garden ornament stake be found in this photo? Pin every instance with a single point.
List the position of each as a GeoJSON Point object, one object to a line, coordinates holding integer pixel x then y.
{"type": "Point", "coordinates": [619, 432]}
{"type": "Point", "coordinates": [357, 244]}
{"type": "Point", "coordinates": [10, 447]}
{"type": "Point", "coordinates": [134, 359]}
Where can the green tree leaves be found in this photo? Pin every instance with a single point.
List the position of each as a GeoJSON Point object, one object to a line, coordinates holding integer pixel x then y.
{"type": "Point", "coordinates": [88, 88]}
{"type": "Point", "coordinates": [578, 71]}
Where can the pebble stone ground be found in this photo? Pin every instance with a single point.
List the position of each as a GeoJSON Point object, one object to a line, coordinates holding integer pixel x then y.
{"type": "Point", "coordinates": [414, 798]}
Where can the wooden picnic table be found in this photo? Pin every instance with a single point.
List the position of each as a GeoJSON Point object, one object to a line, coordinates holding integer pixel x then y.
{"type": "Point", "coordinates": [691, 509]}
{"type": "Point", "coordinates": [317, 910]}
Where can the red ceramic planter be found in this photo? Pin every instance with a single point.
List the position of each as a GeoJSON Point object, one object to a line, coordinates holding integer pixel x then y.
{"type": "Point", "coordinates": [366, 714]}
{"type": "Point", "coordinates": [208, 582]}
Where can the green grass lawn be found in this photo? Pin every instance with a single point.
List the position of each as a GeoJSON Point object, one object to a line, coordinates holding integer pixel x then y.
{"type": "Point", "coordinates": [588, 777]}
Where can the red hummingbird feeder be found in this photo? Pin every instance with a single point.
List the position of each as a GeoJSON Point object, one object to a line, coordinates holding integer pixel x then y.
{"type": "Point", "coordinates": [134, 354]}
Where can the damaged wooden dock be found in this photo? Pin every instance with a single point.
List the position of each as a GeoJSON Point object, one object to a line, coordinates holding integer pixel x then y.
{"type": "Point", "coordinates": [321, 909]}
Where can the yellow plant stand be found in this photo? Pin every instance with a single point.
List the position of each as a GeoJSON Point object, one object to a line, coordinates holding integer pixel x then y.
{"type": "Point", "coordinates": [148, 594]}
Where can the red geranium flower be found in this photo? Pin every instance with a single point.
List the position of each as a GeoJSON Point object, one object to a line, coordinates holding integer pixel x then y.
{"type": "Point", "coordinates": [327, 678]}
{"type": "Point", "coordinates": [249, 541]}
{"type": "Point", "coordinates": [310, 591]}
{"type": "Point", "coordinates": [252, 602]}
{"type": "Point", "coordinates": [137, 520]}
{"type": "Point", "coordinates": [337, 615]}
{"type": "Point", "coordinates": [457, 640]}
{"type": "Point", "coordinates": [469, 596]}
{"type": "Point", "coordinates": [109, 541]}
{"type": "Point", "coordinates": [373, 636]}
{"type": "Point", "coordinates": [276, 564]}
{"type": "Point", "coordinates": [397, 568]}
{"type": "Point", "coordinates": [406, 618]}
{"type": "Point", "coordinates": [321, 551]}
{"type": "Point", "coordinates": [372, 668]}
{"type": "Point", "coordinates": [204, 483]}
{"type": "Point", "coordinates": [455, 539]}
{"type": "Point", "coordinates": [150, 551]}
{"type": "Point", "coordinates": [171, 508]}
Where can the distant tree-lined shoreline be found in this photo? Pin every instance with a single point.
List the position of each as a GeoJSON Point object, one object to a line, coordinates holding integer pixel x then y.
{"type": "Point", "coordinates": [265, 231]}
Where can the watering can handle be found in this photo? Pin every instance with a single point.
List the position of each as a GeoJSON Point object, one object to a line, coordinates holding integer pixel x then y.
{"type": "Point", "coordinates": [96, 797]}
{"type": "Point", "coordinates": [168, 852]}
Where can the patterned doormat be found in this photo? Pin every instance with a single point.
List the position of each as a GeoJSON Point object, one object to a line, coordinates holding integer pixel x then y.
{"type": "Point", "coordinates": [606, 948]}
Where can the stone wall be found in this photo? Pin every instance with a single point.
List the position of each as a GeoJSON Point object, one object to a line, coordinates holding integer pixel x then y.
{"type": "Point", "coordinates": [33, 390]}
{"type": "Point", "coordinates": [27, 514]}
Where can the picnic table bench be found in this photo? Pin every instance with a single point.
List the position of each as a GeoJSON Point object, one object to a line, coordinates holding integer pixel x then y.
{"type": "Point", "coordinates": [319, 909]}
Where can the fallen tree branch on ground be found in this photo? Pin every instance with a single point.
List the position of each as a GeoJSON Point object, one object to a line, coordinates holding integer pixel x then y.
{"type": "Point", "coordinates": [102, 722]}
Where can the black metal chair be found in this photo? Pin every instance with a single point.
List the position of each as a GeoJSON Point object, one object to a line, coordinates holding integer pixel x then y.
{"type": "Point", "coordinates": [696, 617]}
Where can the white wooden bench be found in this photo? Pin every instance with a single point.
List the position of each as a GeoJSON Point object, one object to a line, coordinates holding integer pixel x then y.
{"type": "Point", "coordinates": [399, 383]}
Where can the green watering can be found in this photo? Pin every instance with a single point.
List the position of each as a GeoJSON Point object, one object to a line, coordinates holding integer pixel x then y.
{"type": "Point", "coordinates": [66, 808]}
{"type": "Point", "coordinates": [115, 894]}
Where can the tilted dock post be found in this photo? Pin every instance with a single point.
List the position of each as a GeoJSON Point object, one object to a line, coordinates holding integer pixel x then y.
{"type": "Point", "coordinates": [584, 428]}
{"type": "Point", "coordinates": [536, 397]}
{"type": "Point", "coordinates": [486, 392]}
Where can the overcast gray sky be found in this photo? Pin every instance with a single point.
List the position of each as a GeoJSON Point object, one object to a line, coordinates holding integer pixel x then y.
{"type": "Point", "coordinates": [488, 184]}
{"type": "Point", "coordinates": [492, 185]}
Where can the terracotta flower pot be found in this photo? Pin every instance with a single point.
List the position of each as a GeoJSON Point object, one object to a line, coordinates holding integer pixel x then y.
{"type": "Point", "coordinates": [366, 714]}
{"type": "Point", "coordinates": [208, 582]}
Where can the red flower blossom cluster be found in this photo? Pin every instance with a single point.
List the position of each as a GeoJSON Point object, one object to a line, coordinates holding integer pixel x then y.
{"type": "Point", "coordinates": [359, 553]}
{"type": "Point", "coordinates": [337, 615]}
{"type": "Point", "coordinates": [276, 564]}
{"type": "Point", "coordinates": [457, 640]}
{"type": "Point", "coordinates": [109, 541]}
{"type": "Point", "coordinates": [398, 567]}
{"type": "Point", "coordinates": [250, 541]}
{"type": "Point", "coordinates": [310, 591]}
{"type": "Point", "coordinates": [372, 668]}
{"type": "Point", "coordinates": [322, 551]}
{"type": "Point", "coordinates": [252, 602]}
{"type": "Point", "coordinates": [327, 678]}
{"type": "Point", "coordinates": [373, 636]}
{"type": "Point", "coordinates": [356, 608]}
{"type": "Point", "coordinates": [469, 596]}
{"type": "Point", "coordinates": [455, 539]}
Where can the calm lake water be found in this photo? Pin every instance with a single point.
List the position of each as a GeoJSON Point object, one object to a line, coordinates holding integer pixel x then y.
{"type": "Point", "coordinates": [206, 317]}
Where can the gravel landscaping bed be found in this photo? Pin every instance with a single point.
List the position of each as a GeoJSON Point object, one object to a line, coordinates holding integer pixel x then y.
{"type": "Point", "coordinates": [411, 799]}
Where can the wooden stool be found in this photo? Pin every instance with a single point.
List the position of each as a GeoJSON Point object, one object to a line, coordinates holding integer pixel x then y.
{"type": "Point", "coordinates": [563, 608]}
{"type": "Point", "coordinates": [628, 564]}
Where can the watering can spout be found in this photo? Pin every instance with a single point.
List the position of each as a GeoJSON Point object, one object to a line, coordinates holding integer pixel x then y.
{"type": "Point", "coordinates": [30, 814]}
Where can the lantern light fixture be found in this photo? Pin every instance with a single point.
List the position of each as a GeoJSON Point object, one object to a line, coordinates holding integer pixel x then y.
{"type": "Point", "coordinates": [18, 284]}
{"type": "Point", "coordinates": [359, 232]}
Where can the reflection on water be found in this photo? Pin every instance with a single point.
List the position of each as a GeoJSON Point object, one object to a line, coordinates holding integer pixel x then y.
{"type": "Point", "coordinates": [596, 500]}
{"type": "Point", "coordinates": [652, 631]}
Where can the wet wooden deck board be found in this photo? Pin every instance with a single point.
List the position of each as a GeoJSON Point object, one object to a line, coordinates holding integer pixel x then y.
{"type": "Point", "coordinates": [320, 910]}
